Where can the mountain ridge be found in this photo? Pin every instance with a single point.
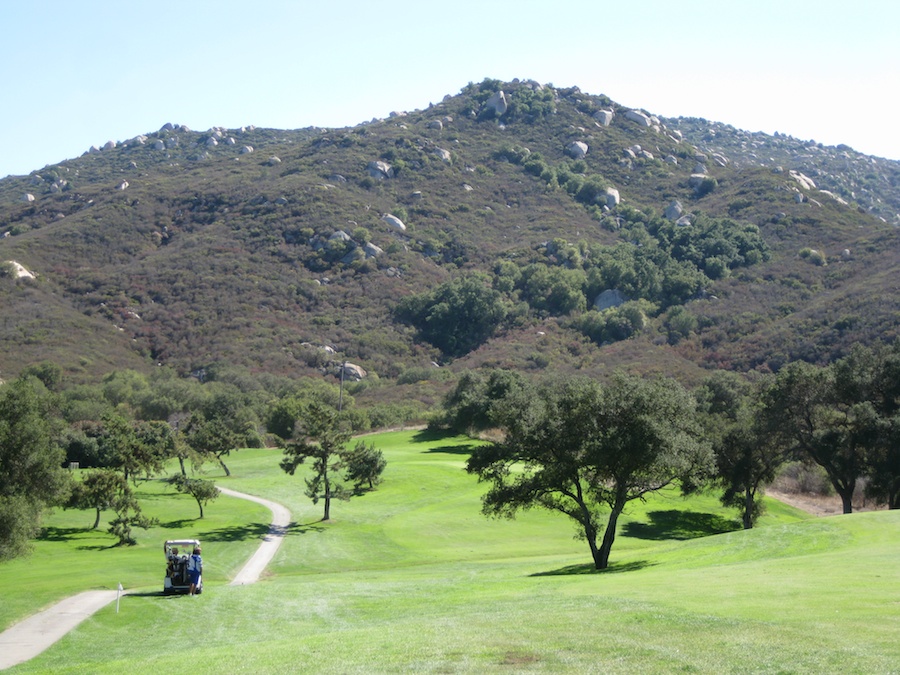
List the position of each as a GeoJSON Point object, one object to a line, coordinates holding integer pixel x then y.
{"type": "Point", "coordinates": [173, 249]}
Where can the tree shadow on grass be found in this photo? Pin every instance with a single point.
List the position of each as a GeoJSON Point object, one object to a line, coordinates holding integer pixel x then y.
{"type": "Point", "coordinates": [588, 568]}
{"type": "Point", "coordinates": [61, 533]}
{"type": "Point", "coordinates": [236, 532]}
{"type": "Point", "coordinates": [303, 528]}
{"type": "Point", "coordinates": [177, 524]}
{"type": "Point", "coordinates": [452, 449]}
{"type": "Point", "coordinates": [680, 525]}
{"type": "Point", "coordinates": [431, 435]}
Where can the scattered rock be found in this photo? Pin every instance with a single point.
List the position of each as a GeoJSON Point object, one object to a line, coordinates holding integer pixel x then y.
{"type": "Point", "coordinates": [247, 149]}
{"type": "Point", "coordinates": [28, 197]}
{"type": "Point", "coordinates": [372, 251]}
{"type": "Point", "coordinates": [497, 103]}
{"type": "Point", "coordinates": [603, 117]}
{"type": "Point", "coordinates": [637, 116]}
{"type": "Point", "coordinates": [351, 371]}
{"type": "Point", "coordinates": [577, 149]}
{"type": "Point", "coordinates": [674, 211]}
{"type": "Point", "coordinates": [608, 299]}
{"type": "Point", "coordinates": [443, 154]}
{"type": "Point", "coordinates": [109, 145]}
{"type": "Point", "coordinates": [612, 197]}
{"type": "Point", "coordinates": [394, 222]}
{"type": "Point", "coordinates": [379, 169]}
{"type": "Point", "coordinates": [806, 182]}
{"type": "Point", "coordinates": [274, 161]}
{"type": "Point", "coordinates": [19, 271]}
{"type": "Point", "coordinates": [122, 185]}
{"type": "Point", "coordinates": [671, 159]}
{"type": "Point", "coordinates": [339, 235]}
{"type": "Point", "coordinates": [697, 179]}
{"type": "Point", "coordinates": [159, 145]}
{"type": "Point", "coordinates": [435, 124]}
{"type": "Point", "coordinates": [211, 142]}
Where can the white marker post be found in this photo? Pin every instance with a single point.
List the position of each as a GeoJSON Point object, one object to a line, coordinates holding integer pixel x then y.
{"type": "Point", "coordinates": [118, 593]}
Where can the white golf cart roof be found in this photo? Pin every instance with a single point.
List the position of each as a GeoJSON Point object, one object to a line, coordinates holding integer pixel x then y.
{"type": "Point", "coordinates": [181, 542]}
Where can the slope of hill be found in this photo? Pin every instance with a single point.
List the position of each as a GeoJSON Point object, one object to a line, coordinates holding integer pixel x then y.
{"type": "Point", "coordinates": [259, 247]}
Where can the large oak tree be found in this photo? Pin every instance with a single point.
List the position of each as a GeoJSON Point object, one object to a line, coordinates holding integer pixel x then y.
{"type": "Point", "coordinates": [582, 448]}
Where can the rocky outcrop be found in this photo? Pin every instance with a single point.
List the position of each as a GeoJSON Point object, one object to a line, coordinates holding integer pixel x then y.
{"type": "Point", "coordinates": [805, 182]}
{"type": "Point", "coordinates": [19, 271]}
{"type": "Point", "coordinates": [577, 149]}
{"type": "Point", "coordinates": [603, 117]}
{"type": "Point", "coordinates": [608, 299]}
{"type": "Point", "coordinates": [379, 169]}
{"type": "Point", "coordinates": [394, 222]}
{"type": "Point", "coordinates": [612, 198]}
{"type": "Point", "coordinates": [638, 117]}
{"type": "Point", "coordinates": [497, 103]}
{"type": "Point", "coordinates": [372, 251]}
{"type": "Point", "coordinates": [351, 371]}
{"type": "Point", "coordinates": [674, 210]}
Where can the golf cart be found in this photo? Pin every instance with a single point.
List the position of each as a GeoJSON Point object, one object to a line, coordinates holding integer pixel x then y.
{"type": "Point", "coordinates": [178, 580]}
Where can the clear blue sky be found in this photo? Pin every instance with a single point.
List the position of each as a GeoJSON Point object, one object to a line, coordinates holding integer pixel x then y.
{"type": "Point", "coordinates": [77, 73]}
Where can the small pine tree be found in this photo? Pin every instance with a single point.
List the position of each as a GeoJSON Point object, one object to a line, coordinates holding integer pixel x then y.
{"type": "Point", "coordinates": [365, 464]}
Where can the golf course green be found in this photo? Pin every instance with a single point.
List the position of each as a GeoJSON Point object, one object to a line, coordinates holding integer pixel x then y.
{"type": "Point", "coordinates": [410, 577]}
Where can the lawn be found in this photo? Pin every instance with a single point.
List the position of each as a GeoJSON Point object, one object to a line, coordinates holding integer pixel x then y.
{"type": "Point", "coordinates": [411, 577]}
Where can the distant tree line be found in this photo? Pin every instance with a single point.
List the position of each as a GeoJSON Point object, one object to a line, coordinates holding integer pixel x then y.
{"type": "Point", "coordinates": [129, 427]}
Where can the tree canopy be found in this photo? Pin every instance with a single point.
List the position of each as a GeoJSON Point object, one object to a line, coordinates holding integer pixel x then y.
{"type": "Point", "coordinates": [31, 473]}
{"type": "Point", "coordinates": [579, 447]}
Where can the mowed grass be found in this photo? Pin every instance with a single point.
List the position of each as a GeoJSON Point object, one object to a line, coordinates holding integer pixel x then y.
{"type": "Point", "coordinates": [411, 578]}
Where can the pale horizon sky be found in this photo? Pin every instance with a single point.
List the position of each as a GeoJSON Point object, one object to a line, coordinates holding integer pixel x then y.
{"type": "Point", "coordinates": [76, 74]}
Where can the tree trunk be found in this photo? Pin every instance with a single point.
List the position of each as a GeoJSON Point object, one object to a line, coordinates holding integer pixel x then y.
{"type": "Point", "coordinates": [227, 472]}
{"type": "Point", "coordinates": [747, 515]}
{"type": "Point", "coordinates": [96, 520]}
{"type": "Point", "coordinates": [847, 499]}
{"type": "Point", "coordinates": [601, 561]}
{"type": "Point", "coordinates": [181, 462]}
{"type": "Point", "coordinates": [200, 504]}
{"type": "Point", "coordinates": [327, 515]}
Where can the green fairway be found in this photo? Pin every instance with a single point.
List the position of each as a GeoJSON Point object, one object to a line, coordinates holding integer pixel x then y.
{"type": "Point", "coordinates": [411, 577]}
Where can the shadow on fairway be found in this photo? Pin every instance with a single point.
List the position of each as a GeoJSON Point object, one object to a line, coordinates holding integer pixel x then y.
{"type": "Point", "coordinates": [155, 594]}
{"type": "Point", "coordinates": [236, 533]}
{"type": "Point", "coordinates": [588, 568]}
{"type": "Point", "coordinates": [177, 524]}
{"type": "Point", "coordinates": [303, 528]}
{"type": "Point", "coordinates": [680, 525]}
{"type": "Point", "coordinates": [431, 435]}
{"type": "Point", "coordinates": [452, 449]}
{"type": "Point", "coordinates": [62, 533]}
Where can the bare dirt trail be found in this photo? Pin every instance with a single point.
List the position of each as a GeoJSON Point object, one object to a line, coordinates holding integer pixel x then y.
{"type": "Point", "coordinates": [30, 637]}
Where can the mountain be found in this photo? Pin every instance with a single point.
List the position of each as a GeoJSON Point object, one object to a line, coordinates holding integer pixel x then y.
{"type": "Point", "coordinates": [477, 232]}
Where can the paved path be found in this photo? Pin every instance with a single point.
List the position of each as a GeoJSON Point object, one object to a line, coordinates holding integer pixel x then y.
{"type": "Point", "coordinates": [30, 637]}
{"type": "Point", "coordinates": [281, 518]}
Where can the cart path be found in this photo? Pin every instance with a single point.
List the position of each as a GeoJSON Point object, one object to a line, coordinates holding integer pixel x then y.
{"type": "Point", "coordinates": [30, 637]}
{"type": "Point", "coordinates": [281, 519]}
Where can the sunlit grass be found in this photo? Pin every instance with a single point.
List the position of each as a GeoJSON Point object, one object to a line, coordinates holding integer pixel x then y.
{"type": "Point", "coordinates": [412, 578]}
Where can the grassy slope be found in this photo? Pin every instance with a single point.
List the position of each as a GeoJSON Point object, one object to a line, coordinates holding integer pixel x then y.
{"type": "Point", "coordinates": [411, 577]}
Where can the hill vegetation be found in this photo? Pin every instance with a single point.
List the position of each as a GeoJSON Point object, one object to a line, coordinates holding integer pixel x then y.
{"type": "Point", "coordinates": [476, 232]}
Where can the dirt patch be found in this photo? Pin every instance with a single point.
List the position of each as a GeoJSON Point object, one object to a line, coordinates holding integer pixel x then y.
{"type": "Point", "coordinates": [818, 505]}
